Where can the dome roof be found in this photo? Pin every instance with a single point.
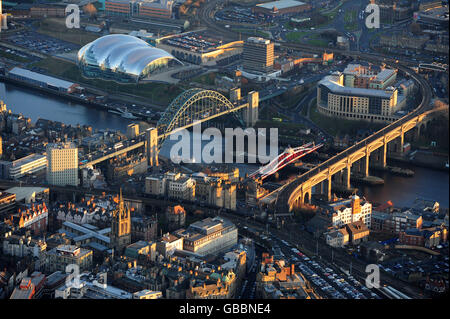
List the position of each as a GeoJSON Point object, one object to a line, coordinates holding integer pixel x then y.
{"type": "Point", "coordinates": [121, 53]}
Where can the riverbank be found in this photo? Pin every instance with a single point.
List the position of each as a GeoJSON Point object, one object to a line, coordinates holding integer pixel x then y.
{"type": "Point", "coordinates": [423, 158]}
{"type": "Point", "coordinates": [70, 97]}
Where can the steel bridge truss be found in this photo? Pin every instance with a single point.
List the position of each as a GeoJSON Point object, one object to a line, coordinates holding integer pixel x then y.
{"type": "Point", "coordinates": [191, 106]}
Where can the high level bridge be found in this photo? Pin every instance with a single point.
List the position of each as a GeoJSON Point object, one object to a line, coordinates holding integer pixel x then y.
{"type": "Point", "coordinates": [373, 148]}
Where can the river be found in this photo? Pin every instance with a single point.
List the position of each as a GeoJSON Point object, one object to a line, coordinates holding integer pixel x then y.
{"type": "Point", "coordinates": [402, 191]}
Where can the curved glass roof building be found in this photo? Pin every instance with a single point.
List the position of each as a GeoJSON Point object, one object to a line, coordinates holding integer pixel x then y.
{"type": "Point", "coordinates": [122, 58]}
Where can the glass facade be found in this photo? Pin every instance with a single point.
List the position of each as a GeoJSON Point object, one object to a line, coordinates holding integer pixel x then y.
{"type": "Point", "coordinates": [122, 58]}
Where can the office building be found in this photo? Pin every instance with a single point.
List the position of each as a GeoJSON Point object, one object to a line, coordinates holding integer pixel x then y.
{"type": "Point", "coordinates": [27, 165]}
{"type": "Point", "coordinates": [62, 164]}
{"type": "Point", "coordinates": [132, 130]}
{"type": "Point", "coordinates": [209, 236]}
{"type": "Point", "coordinates": [281, 8]}
{"type": "Point", "coordinates": [169, 244]}
{"type": "Point", "coordinates": [258, 54]}
{"type": "Point", "coordinates": [354, 103]}
{"type": "Point", "coordinates": [199, 47]}
{"type": "Point", "coordinates": [139, 8]}
{"type": "Point", "coordinates": [351, 210]}
{"type": "Point", "coordinates": [59, 257]}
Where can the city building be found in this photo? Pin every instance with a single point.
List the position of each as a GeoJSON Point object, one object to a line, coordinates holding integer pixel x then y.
{"type": "Point", "coordinates": [392, 11]}
{"type": "Point", "coordinates": [91, 287]}
{"type": "Point", "coordinates": [168, 244]}
{"type": "Point", "coordinates": [278, 280]}
{"type": "Point", "coordinates": [366, 77]}
{"type": "Point", "coordinates": [220, 288]}
{"type": "Point", "coordinates": [258, 54]}
{"type": "Point", "coordinates": [27, 195]}
{"type": "Point", "coordinates": [208, 236]}
{"type": "Point", "coordinates": [33, 216]}
{"type": "Point", "coordinates": [43, 81]}
{"type": "Point", "coordinates": [60, 257]}
{"type": "Point", "coordinates": [121, 227]}
{"type": "Point", "coordinates": [428, 238]}
{"type": "Point", "coordinates": [147, 294]}
{"type": "Point", "coordinates": [349, 211]}
{"type": "Point", "coordinates": [337, 237]}
{"type": "Point", "coordinates": [7, 203]}
{"type": "Point", "coordinates": [48, 10]}
{"type": "Point", "coordinates": [123, 58]}
{"type": "Point", "coordinates": [139, 8]}
{"type": "Point", "coordinates": [62, 164]}
{"type": "Point", "coordinates": [28, 165]}
{"type": "Point", "coordinates": [132, 130]}
{"type": "Point", "coordinates": [334, 99]}
{"type": "Point", "coordinates": [217, 188]}
{"type": "Point", "coordinates": [175, 217]}
{"type": "Point", "coordinates": [200, 48]}
{"type": "Point", "coordinates": [30, 287]}
{"type": "Point", "coordinates": [90, 210]}
{"type": "Point", "coordinates": [141, 248]}
{"type": "Point", "coordinates": [281, 8]}
{"type": "Point", "coordinates": [87, 236]}
{"type": "Point", "coordinates": [358, 232]}
{"type": "Point", "coordinates": [143, 228]}
{"type": "Point", "coordinates": [21, 246]}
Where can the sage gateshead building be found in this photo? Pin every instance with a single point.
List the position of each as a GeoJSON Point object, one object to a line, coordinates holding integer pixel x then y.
{"type": "Point", "coordinates": [356, 103]}
{"type": "Point", "coordinates": [123, 58]}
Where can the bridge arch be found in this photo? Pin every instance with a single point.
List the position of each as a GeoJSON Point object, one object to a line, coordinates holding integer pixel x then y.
{"type": "Point", "coordinates": [192, 105]}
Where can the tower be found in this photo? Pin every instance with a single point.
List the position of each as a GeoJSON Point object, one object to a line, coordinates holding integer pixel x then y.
{"type": "Point", "coordinates": [3, 18]}
{"type": "Point", "coordinates": [120, 227]}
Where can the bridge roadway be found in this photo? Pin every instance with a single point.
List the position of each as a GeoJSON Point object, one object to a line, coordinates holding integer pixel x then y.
{"type": "Point", "coordinates": [292, 193]}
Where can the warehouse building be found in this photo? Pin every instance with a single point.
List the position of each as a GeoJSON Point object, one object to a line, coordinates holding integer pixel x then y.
{"type": "Point", "coordinates": [42, 80]}
{"type": "Point", "coordinates": [282, 7]}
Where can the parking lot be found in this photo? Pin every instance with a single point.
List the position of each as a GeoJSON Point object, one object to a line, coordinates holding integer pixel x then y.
{"type": "Point", "coordinates": [328, 281]}
{"type": "Point", "coordinates": [239, 15]}
{"type": "Point", "coordinates": [407, 265]}
{"type": "Point", "coordinates": [41, 43]}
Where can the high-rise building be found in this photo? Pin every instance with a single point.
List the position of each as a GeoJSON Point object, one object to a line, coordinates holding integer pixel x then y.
{"type": "Point", "coordinates": [121, 227]}
{"type": "Point", "coordinates": [258, 54]}
{"type": "Point", "coordinates": [62, 164]}
{"type": "Point", "coordinates": [132, 130]}
{"type": "Point", "coordinates": [3, 18]}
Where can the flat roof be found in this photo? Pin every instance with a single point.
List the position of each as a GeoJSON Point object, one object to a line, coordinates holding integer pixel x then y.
{"type": "Point", "coordinates": [41, 77]}
{"type": "Point", "coordinates": [282, 4]}
{"type": "Point", "coordinates": [336, 88]}
{"type": "Point", "coordinates": [28, 159]}
{"type": "Point", "coordinates": [384, 74]}
{"type": "Point", "coordinates": [87, 232]}
{"type": "Point", "coordinates": [26, 192]}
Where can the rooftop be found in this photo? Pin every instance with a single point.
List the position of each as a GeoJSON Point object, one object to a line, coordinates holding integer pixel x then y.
{"type": "Point", "coordinates": [337, 88]}
{"type": "Point", "coordinates": [28, 159]}
{"type": "Point", "coordinates": [41, 77]}
{"type": "Point", "coordinates": [281, 4]}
